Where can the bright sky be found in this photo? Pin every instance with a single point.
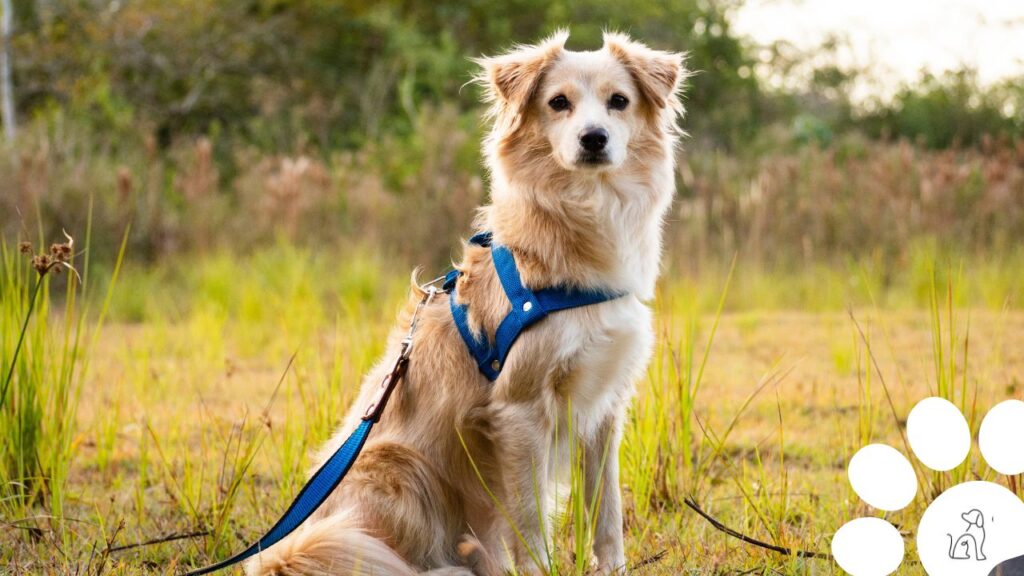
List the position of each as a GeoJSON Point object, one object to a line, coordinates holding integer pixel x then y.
{"type": "Point", "coordinates": [898, 38]}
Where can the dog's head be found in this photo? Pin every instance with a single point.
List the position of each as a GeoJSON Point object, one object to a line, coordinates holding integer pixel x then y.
{"type": "Point", "coordinates": [582, 110]}
{"type": "Point", "coordinates": [974, 517]}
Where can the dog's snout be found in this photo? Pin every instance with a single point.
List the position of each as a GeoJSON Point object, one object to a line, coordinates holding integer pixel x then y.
{"type": "Point", "coordinates": [594, 139]}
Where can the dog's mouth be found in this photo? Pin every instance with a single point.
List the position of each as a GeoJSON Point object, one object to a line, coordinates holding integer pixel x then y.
{"type": "Point", "coordinates": [593, 159]}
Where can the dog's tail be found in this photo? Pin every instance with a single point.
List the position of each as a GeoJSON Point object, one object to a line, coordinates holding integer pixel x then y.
{"type": "Point", "coordinates": [333, 545]}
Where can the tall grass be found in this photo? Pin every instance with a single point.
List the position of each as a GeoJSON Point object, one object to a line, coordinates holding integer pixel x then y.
{"type": "Point", "coordinates": [954, 377]}
{"type": "Point", "coordinates": [45, 356]}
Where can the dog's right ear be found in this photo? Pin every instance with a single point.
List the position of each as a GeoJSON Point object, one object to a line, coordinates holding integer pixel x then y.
{"type": "Point", "coordinates": [512, 79]}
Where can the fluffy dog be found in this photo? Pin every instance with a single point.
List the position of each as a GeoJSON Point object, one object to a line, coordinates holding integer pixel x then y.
{"type": "Point", "coordinates": [582, 171]}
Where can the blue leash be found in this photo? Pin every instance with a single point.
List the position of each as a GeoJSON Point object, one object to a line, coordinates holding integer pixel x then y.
{"type": "Point", "coordinates": [528, 307]}
{"type": "Point", "coordinates": [327, 478]}
{"type": "Point", "coordinates": [309, 499]}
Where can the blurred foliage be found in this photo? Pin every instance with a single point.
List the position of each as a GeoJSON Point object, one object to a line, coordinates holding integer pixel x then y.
{"type": "Point", "coordinates": [214, 124]}
{"type": "Point", "coordinates": [330, 74]}
{"type": "Point", "coordinates": [335, 73]}
{"type": "Point", "coordinates": [951, 109]}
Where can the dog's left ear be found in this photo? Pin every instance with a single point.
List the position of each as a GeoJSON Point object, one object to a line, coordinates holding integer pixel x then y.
{"type": "Point", "coordinates": [658, 74]}
{"type": "Point", "coordinates": [512, 79]}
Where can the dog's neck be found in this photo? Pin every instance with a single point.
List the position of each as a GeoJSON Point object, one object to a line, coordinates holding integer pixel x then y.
{"type": "Point", "coordinates": [585, 229]}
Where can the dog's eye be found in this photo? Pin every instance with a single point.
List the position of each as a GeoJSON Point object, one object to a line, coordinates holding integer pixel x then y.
{"type": "Point", "coordinates": [618, 102]}
{"type": "Point", "coordinates": [559, 103]}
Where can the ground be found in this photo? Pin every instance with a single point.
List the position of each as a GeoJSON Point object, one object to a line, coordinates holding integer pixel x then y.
{"type": "Point", "coordinates": [175, 406]}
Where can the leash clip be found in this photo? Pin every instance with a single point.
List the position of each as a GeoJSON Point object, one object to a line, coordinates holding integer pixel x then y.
{"type": "Point", "coordinates": [376, 406]}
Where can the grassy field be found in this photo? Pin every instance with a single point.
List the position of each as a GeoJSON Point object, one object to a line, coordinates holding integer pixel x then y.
{"type": "Point", "coordinates": [184, 418]}
{"type": "Point", "coordinates": [268, 172]}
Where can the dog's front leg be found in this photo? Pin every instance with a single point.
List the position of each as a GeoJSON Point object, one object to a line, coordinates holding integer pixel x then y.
{"type": "Point", "coordinates": [522, 435]}
{"type": "Point", "coordinates": [601, 469]}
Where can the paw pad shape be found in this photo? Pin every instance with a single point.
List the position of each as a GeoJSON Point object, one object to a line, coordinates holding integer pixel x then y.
{"type": "Point", "coordinates": [969, 529]}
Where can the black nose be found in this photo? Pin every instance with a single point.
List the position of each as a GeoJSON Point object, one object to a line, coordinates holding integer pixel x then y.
{"type": "Point", "coordinates": [594, 140]}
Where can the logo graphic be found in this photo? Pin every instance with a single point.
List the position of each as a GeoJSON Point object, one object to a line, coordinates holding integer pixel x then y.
{"type": "Point", "coordinates": [971, 529]}
{"type": "Point", "coordinates": [970, 544]}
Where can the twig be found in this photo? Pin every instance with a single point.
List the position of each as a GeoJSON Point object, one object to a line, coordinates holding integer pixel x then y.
{"type": "Point", "coordinates": [273, 395]}
{"type": "Point", "coordinates": [161, 540]}
{"type": "Point", "coordinates": [105, 555]}
{"type": "Point", "coordinates": [749, 540]}
{"type": "Point", "coordinates": [652, 559]}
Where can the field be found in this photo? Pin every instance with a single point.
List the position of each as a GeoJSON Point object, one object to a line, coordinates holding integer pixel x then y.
{"type": "Point", "coordinates": [191, 426]}
{"type": "Point", "coordinates": [236, 193]}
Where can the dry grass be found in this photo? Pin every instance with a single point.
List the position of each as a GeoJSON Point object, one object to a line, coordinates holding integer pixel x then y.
{"type": "Point", "coordinates": [175, 439]}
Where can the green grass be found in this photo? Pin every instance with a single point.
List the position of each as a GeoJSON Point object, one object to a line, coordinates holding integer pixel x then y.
{"type": "Point", "coordinates": [45, 356]}
{"type": "Point", "coordinates": [192, 414]}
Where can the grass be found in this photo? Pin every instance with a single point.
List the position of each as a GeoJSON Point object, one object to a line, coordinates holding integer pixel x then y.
{"type": "Point", "coordinates": [215, 377]}
{"type": "Point", "coordinates": [44, 366]}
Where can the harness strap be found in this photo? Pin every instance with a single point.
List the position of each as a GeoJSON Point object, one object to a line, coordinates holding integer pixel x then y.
{"type": "Point", "coordinates": [528, 307]}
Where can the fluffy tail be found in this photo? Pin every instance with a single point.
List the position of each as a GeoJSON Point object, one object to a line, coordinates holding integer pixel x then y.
{"type": "Point", "coordinates": [330, 546]}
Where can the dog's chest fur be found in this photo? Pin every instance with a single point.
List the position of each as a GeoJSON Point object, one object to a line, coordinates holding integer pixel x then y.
{"type": "Point", "coordinates": [598, 354]}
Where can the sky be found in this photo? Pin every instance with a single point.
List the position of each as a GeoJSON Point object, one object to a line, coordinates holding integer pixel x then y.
{"type": "Point", "coordinates": [896, 39]}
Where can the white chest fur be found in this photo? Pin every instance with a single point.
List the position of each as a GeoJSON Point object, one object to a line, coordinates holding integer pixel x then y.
{"type": "Point", "coordinates": [605, 350]}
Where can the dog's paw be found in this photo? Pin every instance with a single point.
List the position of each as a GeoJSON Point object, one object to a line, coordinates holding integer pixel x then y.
{"type": "Point", "coordinates": [968, 529]}
{"type": "Point", "coordinates": [607, 562]}
{"type": "Point", "coordinates": [607, 568]}
{"type": "Point", "coordinates": [475, 557]}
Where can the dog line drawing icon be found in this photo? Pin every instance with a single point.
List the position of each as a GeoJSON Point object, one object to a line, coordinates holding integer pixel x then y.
{"type": "Point", "coordinates": [970, 544]}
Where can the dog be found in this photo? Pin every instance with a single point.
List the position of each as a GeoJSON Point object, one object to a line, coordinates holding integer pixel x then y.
{"type": "Point", "coordinates": [970, 544]}
{"type": "Point", "coordinates": [456, 478]}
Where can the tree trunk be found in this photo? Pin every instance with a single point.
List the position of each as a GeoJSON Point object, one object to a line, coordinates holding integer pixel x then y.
{"type": "Point", "coordinates": [6, 86]}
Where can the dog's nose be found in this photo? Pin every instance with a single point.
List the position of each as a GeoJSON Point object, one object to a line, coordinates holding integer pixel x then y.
{"type": "Point", "coordinates": [594, 139]}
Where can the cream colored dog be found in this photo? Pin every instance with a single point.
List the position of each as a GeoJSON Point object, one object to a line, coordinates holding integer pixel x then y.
{"type": "Point", "coordinates": [582, 171]}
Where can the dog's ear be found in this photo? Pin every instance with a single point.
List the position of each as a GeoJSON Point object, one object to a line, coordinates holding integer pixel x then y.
{"type": "Point", "coordinates": [512, 79]}
{"type": "Point", "coordinates": [658, 74]}
{"type": "Point", "coordinates": [974, 517]}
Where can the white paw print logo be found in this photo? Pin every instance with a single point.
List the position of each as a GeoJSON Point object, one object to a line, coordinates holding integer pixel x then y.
{"type": "Point", "coordinates": [970, 528]}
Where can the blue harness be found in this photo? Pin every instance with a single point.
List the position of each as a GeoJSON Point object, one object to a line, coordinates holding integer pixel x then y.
{"type": "Point", "coordinates": [528, 307]}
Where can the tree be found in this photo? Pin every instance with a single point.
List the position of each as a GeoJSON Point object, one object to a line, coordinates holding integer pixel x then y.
{"type": "Point", "coordinates": [6, 85]}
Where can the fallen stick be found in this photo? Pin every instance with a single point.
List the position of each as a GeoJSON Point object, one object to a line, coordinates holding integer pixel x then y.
{"type": "Point", "coordinates": [652, 559]}
{"type": "Point", "coordinates": [161, 540]}
{"type": "Point", "coordinates": [749, 540]}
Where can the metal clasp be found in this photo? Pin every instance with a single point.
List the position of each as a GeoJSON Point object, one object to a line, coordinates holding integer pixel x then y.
{"type": "Point", "coordinates": [376, 406]}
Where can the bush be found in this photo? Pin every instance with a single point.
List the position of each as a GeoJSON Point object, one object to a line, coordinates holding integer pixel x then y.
{"type": "Point", "coordinates": [287, 73]}
{"type": "Point", "coordinates": [951, 110]}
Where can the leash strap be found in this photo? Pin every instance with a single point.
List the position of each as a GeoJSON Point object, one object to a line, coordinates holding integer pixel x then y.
{"type": "Point", "coordinates": [309, 499]}
{"type": "Point", "coordinates": [528, 307]}
{"type": "Point", "coordinates": [327, 478]}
